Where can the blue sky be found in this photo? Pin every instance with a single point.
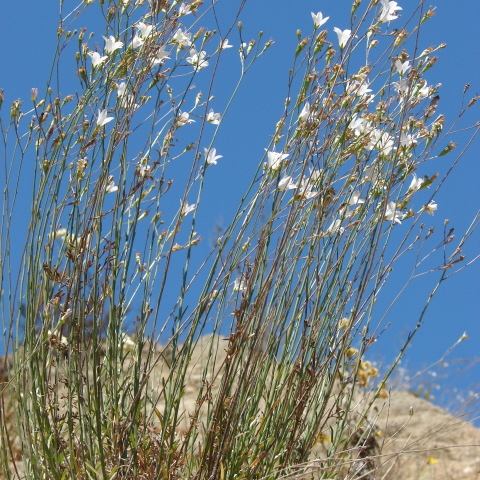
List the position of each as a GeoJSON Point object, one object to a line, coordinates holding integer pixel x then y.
{"type": "Point", "coordinates": [27, 42]}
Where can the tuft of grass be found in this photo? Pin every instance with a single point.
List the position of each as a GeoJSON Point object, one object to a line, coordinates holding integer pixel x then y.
{"type": "Point", "coordinates": [270, 326]}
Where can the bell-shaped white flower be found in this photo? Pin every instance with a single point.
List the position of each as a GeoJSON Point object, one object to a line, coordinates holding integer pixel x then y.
{"type": "Point", "coordinates": [121, 89]}
{"type": "Point", "coordinates": [97, 59]}
{"type": "Point", "coordinates": [415, 184]}
{"type": "Point", "coordinates": [239, 285]}
{"type": "Point", "coordinates": [111, 187]}
{"type": "Point", "coordinates": [145, 30]}
{"type": "Point", "coordinates": [137, 42]}
{"type": "Point", "coordinates": [185, 208]}
{"type": "Point", "coordinates": [160, 55]}
{"type": "Point", "coordinates": [391, 214]}
{"type": "Point", "coordinates": [304, 190]}
{"type": "Point", "coordinates": [319, 19]}
{"type": "Point", "coordinates": [335, 227]}
{"type": "Point", "coordinates": [111, 44]}
{"type": "Point", "coordinates": [181, 38]}
{"type": "Point", "coordinates": [224, 45]}
{"type": "Point", "coordinates": [305, 113]}
{"type": "Point", "coordinates": [184, 9]}
{"type": "Point", "coordinates": [402, 68]}
{"type": "Point", "coordinates": [355, 198]}
{"type": "Point", "coordinates": [213, 118]}
{"type": "Point", "coordinates": [343, 36]}
{"type": "Point", "coordinates": [211, 156]}
{"type": "Point", "coordinates": [274, 160]}
{"type": "Point", "coordinates": [197, 59]}
{"type": "Point", "coordinates": [381, 141]}
{"type": "Point", "coordinates": [430, 208]}
{"type": "Point", "coordinates": [286, 183]}
{"type": "Point", "coordinates": [407, 140]}
{"type": "Point", "coordinates": [183, 119]}
{"type": "Point", "coordinates": [102, 118]}
{"type": "Point", "coordinates": [389, 11]}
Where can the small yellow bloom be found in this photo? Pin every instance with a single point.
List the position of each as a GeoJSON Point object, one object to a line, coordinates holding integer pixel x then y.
{"type": "Point", "coordinates": [383, 393]}
{"type": "Point", "coordinates": [350, 352]}
{"type": "Point", "coordinates": [344, 322]}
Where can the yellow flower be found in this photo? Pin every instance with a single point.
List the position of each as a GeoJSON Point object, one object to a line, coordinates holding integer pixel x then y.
{"type": "Point", "coordinates": [350, 352]}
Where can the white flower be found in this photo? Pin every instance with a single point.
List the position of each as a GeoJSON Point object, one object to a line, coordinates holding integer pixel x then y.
{"type": "Point", "coordinates": [286, 184]}
{"type": "Point", "coordinates": [319, 19]}
{"type": "Point", "coordinates": [60, 234]}
{"type": "Point", "coordinates": [126, 101]}
{"type": "Point", "coordinates": [181, 38]}
{"type": "Point", "coordinates": [143, 170]}
{"type": "Point", "coordinates": [304, 191]}
{"type": "Point", "coordinates": [102, 118]}
{"type": "Point", "coordinates": [239, 285]}
{"type": "Point", "coordinates": [137, 42]}
{"type": "Point", "coordinates": [224, 45]}
{"type": "Point", "coordinates": [389, 11]}
{"type": "Point", "coordinates": [370, 174]}
{"type": "Point", "coordinates": [111, 187]}
{"type": "Point", "coordinates": [316, 174]}
{"type": "Point", "coordinates": [305, 113]}
{"type": "Point", "coordinates": [62, 340]}
{"type": "Point", "coordinates": [423, 91]}
{"type": "Point", "coordinates": [401, 86]}
{"type": "Point", "coordinates": [430, 208]}
{"type": "Point", "coordinates": [358, 87]}
{"type": "Point", "coordinates": [363, 90]}
{"type": "Point", "coordinates": [359, 126]}
{"type": "Point", "coordinates": [111, 44]}
{"type": "Point", "coordinates": [197, 59]}
{"type": "Point", "coordinates": [145, 30]}
{"type": "Point", "coordinates": [381, 141]}
{"type": "Point", "coordinates": [355, 198]}
{"type": "Point", "coordinates": [391, 214]}
{"type": "Point", "coordinates": [96, 58]}
{"type": "Point", "coordinates": [211, 156]}
{"type": "Point", "coordinates": [402, 67]}
{"type": "Point", "coordinates": [343, 36]}
{"type": "Point", "coordinates": [415, 184]}
{"type": "Point", "coordinates": [275, 159]}
{"type": "Point", "coordinates": [407, 140]}
{"type": "Point", "coordinates": [184, 10]}
{"type": "Point", "coordinates": [128, 344]}
{"type": "Point", "coordinates": [121, 88]}
{"type": "Point", "coordinates": [160, 55]}
{"type": "Point", "coordinates": [183, 119]}
{"type": "Point", "coordinates": [335, 227]}
{"type": "Point", "coordinates": [186, 208]}
{"type": "Point", "coordinates": [213, 117]}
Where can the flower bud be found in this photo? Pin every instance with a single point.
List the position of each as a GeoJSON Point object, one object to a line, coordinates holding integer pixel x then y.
{"type": "Point", "coordinates": [15, 109]}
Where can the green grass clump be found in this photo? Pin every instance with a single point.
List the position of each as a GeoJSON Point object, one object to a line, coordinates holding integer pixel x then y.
{"type": "Point", "coordinates": [246, 359]}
